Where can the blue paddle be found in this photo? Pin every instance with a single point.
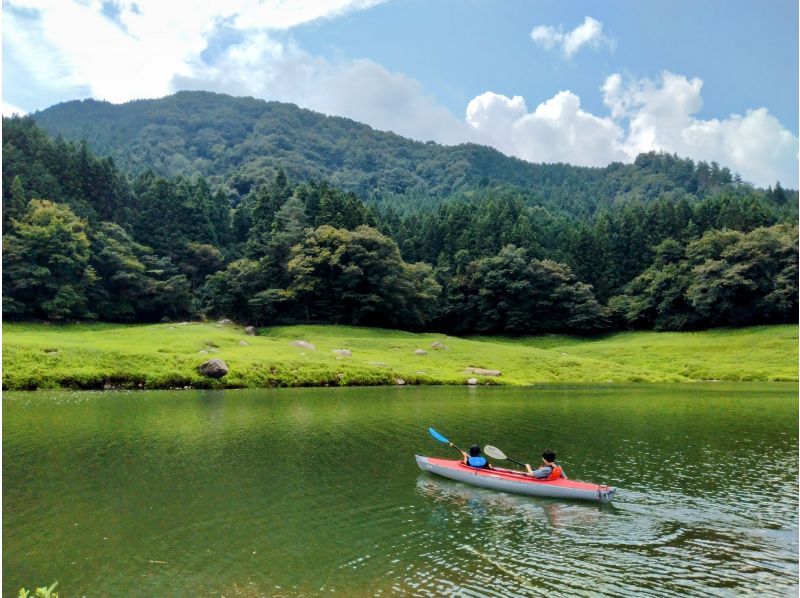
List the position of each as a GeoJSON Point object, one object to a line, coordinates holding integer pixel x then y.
{"type": "Point", "coordinates": [441, 438]}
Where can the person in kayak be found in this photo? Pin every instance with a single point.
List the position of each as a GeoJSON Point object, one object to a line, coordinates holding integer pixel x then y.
{"type": "Point", "coordinates": [550, 470]}
{"type": "Point", "coordinates": [475, 459]}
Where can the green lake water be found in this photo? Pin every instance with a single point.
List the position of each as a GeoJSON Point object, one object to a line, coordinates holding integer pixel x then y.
{"type": "Point", "coordinates": [314, 491]}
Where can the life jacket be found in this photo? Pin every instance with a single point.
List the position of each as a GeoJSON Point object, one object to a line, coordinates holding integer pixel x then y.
{"type": "Point", "coordinates": [476, 461]}
{"type": "Point", "coordinates": [555, 474]}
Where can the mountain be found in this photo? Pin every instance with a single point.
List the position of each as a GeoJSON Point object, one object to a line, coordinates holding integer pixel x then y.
{"type": "Point", "coordinates": [511, 247]}
{"type": "Point", "coordinates": [241, 142]}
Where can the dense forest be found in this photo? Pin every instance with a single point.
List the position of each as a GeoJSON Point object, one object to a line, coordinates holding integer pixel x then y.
{"type": "Point", "coordinates": [201, 205]}
{"type": "Point", "coordinates": [239, 144]}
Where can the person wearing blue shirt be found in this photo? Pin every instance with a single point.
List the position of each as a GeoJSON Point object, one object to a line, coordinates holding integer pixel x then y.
{"type": "Point", "coordinates": [475, 459]}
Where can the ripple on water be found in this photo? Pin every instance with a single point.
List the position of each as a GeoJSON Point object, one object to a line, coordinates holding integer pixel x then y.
{"type": "Point", "coordinates": [274, 493]}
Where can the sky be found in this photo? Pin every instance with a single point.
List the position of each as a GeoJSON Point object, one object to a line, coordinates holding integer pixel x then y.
{"type": "Point", "coordinates": [583, 82]}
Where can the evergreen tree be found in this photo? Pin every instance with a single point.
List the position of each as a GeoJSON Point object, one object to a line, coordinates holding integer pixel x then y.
{"type": "Point", "coordinates": [17, 203]}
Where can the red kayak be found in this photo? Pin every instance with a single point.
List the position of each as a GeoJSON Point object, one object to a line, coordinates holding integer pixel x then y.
{"type": "Point", "coordinates": [516, 482]}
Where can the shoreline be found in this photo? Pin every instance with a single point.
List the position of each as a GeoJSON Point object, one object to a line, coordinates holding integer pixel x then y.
{"type": "Point", "coordinates": [102, 356]}
{"type": "Point", "coordinates": [532, 385]}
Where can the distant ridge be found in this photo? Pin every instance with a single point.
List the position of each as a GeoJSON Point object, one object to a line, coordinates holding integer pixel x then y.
{"type": "Point", "coordinates": [240, 142]}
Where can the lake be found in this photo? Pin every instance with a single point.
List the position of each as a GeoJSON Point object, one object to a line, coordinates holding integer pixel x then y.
{"type": "Point", "coordinates": [313, 491]}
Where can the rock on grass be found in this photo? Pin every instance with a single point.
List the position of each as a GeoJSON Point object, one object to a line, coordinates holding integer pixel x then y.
{"type": "Point", "coordinates": [214, 368]}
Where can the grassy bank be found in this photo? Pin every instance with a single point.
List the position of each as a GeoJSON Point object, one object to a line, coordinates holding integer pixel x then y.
{"type": "Point", "coordinates": [168, 355]}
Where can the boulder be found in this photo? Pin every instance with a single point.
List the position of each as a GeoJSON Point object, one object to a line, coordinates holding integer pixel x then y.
{"type": "Point", "coordinates": [244, 343]}
{"type": "Point", "coordinates": [472, 381]}
{"type": "Point", "coordinates": [483, 372]}
{"type": "Point", "coordinates": [399, 381]}
{"type": "Point", "coordinates": [304, 344]}
{"type": "Point", "coordinates": [250, 331]}
{"type": "Point", "coordinates": [224, 322]}
{"type": "Point", "coordinates": [420, 352]}
{"type": "Point", "coordinates": [214, 368]}
{"type": "Point", "coordinates": [343, 352]}
{"type": "Point", "coordinates": [438, 346]}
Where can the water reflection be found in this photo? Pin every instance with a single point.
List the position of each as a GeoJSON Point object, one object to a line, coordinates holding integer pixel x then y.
{"type": "Point", "coordinates": [481, 503]}
{"type": "Point", "coordinates": [301, 492]}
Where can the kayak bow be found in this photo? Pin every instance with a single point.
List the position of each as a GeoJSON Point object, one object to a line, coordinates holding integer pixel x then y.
{"type": "Point", "coordinates": [515, 482]}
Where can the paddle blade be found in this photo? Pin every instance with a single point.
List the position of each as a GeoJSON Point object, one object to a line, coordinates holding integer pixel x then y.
{"type": "Point", "coordinates": [438, 436]}
{"type": "Point", "coordinates": [494, 452]}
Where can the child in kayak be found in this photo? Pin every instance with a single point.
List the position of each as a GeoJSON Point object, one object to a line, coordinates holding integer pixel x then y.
{"type": "Point", "coordinates": [475, 459]}
{"type": "Point", "coordinates": [550, 470]}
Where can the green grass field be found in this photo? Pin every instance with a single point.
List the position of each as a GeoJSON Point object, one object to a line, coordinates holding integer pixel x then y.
{"type": "Point", "coordinates": [168, 355]}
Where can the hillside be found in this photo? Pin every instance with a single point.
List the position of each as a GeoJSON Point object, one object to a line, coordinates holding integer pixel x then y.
{"type": "Point", "coordinates": [241, 142]}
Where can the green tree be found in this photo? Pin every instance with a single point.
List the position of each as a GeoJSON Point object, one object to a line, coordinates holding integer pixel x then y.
{"type": "Point", "coordinates": [122, 283]}
{"type": "Point", "coordinates": [342, 210]}
{"type": "Point", "coordinates": [657, 297]}
{"type": "Point", "coordinates": [358, 277]}
{"type": "Point", "coordinates": [752, 279]}
{"type": "Point", "coordinates": [17, 203]}
{"type": "Point", "coordinates": [511, 293]}
{"type": "Point", "coordinates": [268, 201]}
{"type": "Point", "coordinates": [46, 270]}
{"type": "Point", "coordinates": [287, 230]}
{"type": "Point", "coordinates": [229, 292]}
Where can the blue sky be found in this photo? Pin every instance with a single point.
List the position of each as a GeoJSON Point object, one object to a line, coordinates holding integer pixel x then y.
{"type": "Point", "coordinates": [745, 52]}
{"type": "Point", "coordinates": [579, 82]}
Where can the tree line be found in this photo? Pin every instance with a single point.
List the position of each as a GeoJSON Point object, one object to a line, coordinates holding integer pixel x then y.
{"type": "Point", "coordinates": [82, 240]}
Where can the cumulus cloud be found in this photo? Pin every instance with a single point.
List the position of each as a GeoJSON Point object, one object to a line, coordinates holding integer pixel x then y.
{"type": "Point", "coordinates": [589, 33]}
{"type": "Point", "coordinates": [660, 115]}
{"type": "Point", "coordinates": [644, 115]}
{"type": "Point", "coordinates": [558, 130]}
{"type": "Point", "coordinates": [118, 50]}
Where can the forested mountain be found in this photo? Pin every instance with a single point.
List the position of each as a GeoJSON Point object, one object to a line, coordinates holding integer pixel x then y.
{"type": "Point", "coordinates": [240, 143]}
{"type": "Point", "coordinates": [146, 221]}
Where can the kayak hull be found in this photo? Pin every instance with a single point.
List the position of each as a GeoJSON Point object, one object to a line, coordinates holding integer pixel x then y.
{"type": "Point", "coordinates": [516, 482]}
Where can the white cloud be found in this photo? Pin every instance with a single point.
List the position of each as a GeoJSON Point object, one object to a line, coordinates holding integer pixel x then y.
{"type": "Point", "coordinates": [660, 116]}
{"type": "Point", "coordinates": [558, 130]}
{"type": "Point", "coordinates": [589, 33]}
{"type": "Point", "coordinates": [11, 109]}
{"type": "Point", "coordinates": [70, 45]}
{"type": "Point", "coordinates": [359, 89]}
{"type": "Point", "coordinates": [644, 115]}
